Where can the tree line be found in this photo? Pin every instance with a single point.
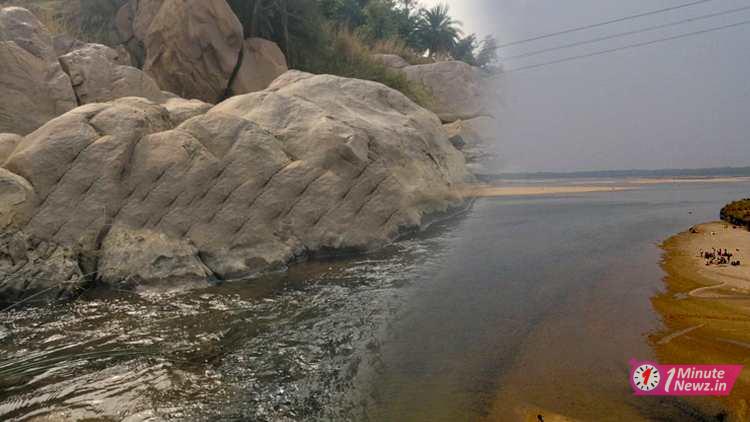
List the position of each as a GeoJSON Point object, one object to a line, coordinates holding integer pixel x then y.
{"type": "Point", "coordinates": [303, 27]}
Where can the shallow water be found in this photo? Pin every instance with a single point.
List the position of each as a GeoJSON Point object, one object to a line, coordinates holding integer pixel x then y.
{"type": "Point", "coordinates": [522, 304]}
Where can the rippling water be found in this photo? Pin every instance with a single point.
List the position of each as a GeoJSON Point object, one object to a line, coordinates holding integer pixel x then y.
{"type": "Point", "coordinates": [285, 346]}
{"type": "Point", "coordinates": [478, 317]}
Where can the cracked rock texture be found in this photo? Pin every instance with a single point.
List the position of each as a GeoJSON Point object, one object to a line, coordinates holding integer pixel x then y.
{"type": "Point", "coordinates": [138, 193]}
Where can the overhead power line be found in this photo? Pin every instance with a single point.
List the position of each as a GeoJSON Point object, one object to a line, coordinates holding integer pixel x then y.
{"type": "Point", "coordinates": [631, 46]}
{"type": "Point", "coordinates": [624, 34]}
{"type": "Point", "coordinates": [596, 25]}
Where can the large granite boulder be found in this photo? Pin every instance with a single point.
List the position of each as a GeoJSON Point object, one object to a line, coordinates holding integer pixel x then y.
{"type": "Point", "coordinates": [459, 91]}
{"type": "Point", "coordinates": [313, 164]}
{"type": "Point", "coordinates": [192, 48]}
{"type": "Point", "coordinates": [262, 62]}
{"type": "Point", "coordinates": [34, 87]}
{"type": "Point", "coordinates": [97, 76]}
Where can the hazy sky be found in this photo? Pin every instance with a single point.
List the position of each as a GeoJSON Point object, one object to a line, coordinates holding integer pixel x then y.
{"type": "Point", "coordinates": [678, 104]}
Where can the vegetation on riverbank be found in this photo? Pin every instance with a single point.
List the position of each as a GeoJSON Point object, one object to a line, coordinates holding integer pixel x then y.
{"type": "Point", "coordinates": [737, 213]}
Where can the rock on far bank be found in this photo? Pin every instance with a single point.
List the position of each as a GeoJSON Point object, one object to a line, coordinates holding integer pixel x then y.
{"type": "Point", "coordinates": [35, 88]}
{"type": "Point", "coordinates": [313, 164]}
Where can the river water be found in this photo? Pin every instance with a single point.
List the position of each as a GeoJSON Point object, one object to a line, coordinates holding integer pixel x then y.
{"type": "Point", "coordinates": [523, 305]}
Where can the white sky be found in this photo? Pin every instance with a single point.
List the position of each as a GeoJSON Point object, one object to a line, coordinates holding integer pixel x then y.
{"type": "Point", "coordinates": [677, 104]}
{"type": "Point", "coordinates": [470, 13]}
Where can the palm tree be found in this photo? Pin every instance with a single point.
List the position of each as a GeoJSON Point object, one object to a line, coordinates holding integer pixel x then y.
{"type": "Point", "coordinates": [465, 48]}
{"type": "Point", "coordinates": [437, 31]}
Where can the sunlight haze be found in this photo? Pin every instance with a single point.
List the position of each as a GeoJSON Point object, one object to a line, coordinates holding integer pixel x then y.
{"type": "Point", "coordinates": [676, 104]}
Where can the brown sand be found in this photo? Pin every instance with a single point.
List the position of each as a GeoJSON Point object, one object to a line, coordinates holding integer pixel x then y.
{"type": "Point", "coordinates": [706, 309]}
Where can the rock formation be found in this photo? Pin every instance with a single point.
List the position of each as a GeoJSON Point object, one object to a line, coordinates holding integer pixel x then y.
{"type": "Point", "coordinates": [459, 91]}
{"type": "Point", "coordinates": [132, 22]}
{"type": "Point", "coordinates": [8, 142]}
{"type": "Point", "coordinates": [64, 44]}
{"type": "Point", "coordinates": [35, 89]}
{"type": "Point", "coordinates": [97, 77]}
{"type": "Point", "coordinates": [262, 63]}
{"type": "Point", "coordinates": [192, 48]}
{"type": "Point", "coordinates": [195, 48]}
{"type": "Point", "coordinates": [127, 192]}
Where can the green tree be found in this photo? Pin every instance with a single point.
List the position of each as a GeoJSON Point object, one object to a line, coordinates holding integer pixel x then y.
{"type": "Point", "coordinates": [437, 31]}
{"type": "Point", "coordinates": [295, 25]}
{"type": "Point", "coordinates": [344, 12]}
{"type": "Point", "coordinates": [381, 20]}
{"type": "Point", "coordinates": [487, 55]}
{"type": "Point", "coordinates": [465, 48]}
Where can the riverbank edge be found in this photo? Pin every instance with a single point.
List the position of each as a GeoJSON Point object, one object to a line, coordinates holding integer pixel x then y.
{"type": "Point", "coordinates": [700, 330]}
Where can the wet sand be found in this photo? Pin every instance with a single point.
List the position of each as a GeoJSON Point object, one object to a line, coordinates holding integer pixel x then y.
{"type": "Point", "coordinates": [706, 309]}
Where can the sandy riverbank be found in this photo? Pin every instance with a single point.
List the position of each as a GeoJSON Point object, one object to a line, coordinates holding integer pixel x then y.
{"type": "Point", "coordinates": [706, 309]}
{"type": "Point", "coordinates": [660, 181]}
{"type": "Point", "coordinates": [486, 191]}
{"type": "Point", "coordinates": [544, 188]}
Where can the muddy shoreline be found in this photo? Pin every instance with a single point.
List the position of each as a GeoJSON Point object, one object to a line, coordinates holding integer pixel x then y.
{"type": "Point", "coordinates": [706, 310]}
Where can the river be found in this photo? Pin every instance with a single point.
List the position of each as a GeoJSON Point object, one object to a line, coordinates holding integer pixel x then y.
{"type": "Point", "coordinates": [522, 305]}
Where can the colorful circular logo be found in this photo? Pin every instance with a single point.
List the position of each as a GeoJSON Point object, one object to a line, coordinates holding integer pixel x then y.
{"type": "Point", "coordinates": [646, 377]}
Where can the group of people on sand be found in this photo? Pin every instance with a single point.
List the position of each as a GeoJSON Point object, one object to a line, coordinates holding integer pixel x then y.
{"type": "Point", "coordinates": [718, 257]}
